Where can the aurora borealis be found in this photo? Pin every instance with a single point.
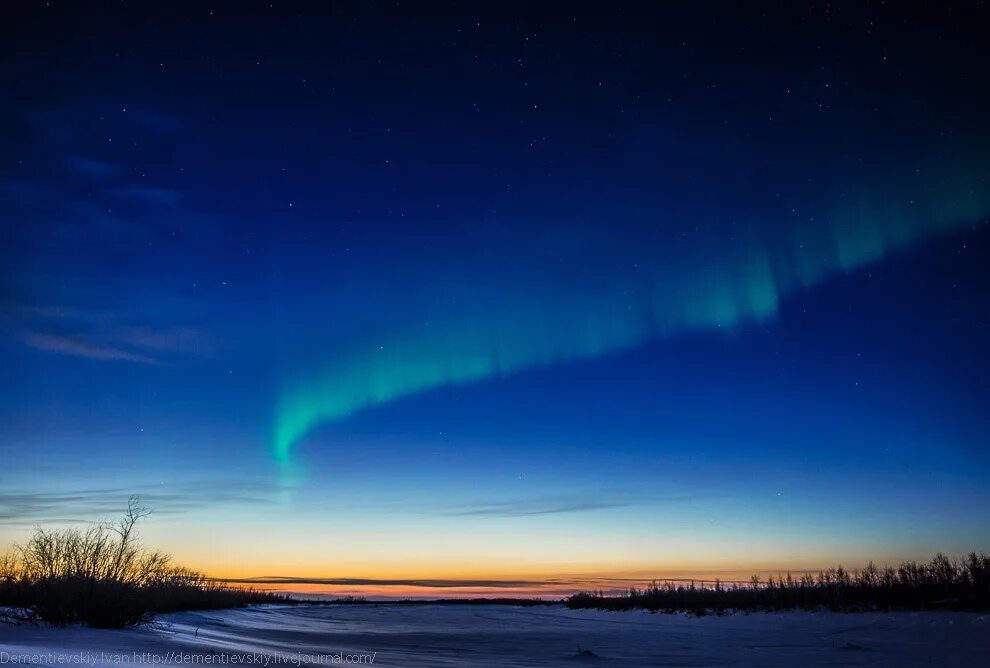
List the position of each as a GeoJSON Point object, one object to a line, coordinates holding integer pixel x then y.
{"type": "Point", "coordinates": [672, 296]}
{"type": "Point", "coordinates": [498, 297]}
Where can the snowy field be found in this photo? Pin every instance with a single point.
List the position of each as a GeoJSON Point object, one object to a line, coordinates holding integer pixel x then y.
{"type": "Point", "coordinates": [433, 635]}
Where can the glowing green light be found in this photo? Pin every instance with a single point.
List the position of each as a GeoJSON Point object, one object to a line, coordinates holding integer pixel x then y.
{"type": "Point", "coordinates": [720, 290]}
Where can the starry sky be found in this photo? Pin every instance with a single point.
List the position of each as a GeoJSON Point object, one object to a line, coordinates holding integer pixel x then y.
{"type": "Point", "coordinates": [404, 297]}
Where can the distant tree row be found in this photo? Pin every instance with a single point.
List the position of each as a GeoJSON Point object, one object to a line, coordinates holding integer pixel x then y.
{"type": "Point", "coordinates": [942, 583]}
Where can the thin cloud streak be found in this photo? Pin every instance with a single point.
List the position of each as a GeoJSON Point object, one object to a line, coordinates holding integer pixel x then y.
{"type": "Point", "coordinates": [101, 336]}
{"type": "Point", "coordinates": [93, 505]}
{"type": "Point", "coordinates": [558, 505]}
{"type": "Point", "coordinates": [67, 345]}
{"type": "Point", "coordinates": [572, 583]}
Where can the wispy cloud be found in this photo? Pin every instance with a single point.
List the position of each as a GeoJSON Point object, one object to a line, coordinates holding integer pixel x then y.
{"type": "Point", "coordinates": [91, 505]}
{"type": "Point", "coordinates": [442, 583]}
{"type": "Point", "coordinates": [68, 192]}
{"type": "Point", "coordinates": [552, 505]}
{"type": "Point", "coordinates": [102, 336]}
{"type": "Point", "coordinates": [68, 345]}
{"type": "Point", "coordinates": [170, 339]}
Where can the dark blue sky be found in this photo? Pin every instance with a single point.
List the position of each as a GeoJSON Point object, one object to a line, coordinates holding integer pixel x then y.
{"type": "Point", "coordinates": [498, 290]}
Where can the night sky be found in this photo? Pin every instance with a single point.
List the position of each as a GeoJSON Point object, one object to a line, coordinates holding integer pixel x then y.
{"type": "Point", "coordinates": [403, 291]}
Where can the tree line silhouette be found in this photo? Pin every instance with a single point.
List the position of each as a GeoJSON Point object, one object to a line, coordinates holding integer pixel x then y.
{"type": "Point", "coordinates": [942, 583]}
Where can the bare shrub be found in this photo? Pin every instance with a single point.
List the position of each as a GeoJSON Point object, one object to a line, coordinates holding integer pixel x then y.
{"type": "Point", "coordinates": [102, 576]}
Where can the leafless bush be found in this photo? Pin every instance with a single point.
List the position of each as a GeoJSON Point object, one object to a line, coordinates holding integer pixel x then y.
{"type": "Point", "coordinates": [104, 577]}
{"type": "Point", "coordinates": [108, 552]}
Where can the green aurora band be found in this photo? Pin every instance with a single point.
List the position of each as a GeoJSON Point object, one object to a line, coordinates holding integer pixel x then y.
{"type": "Point", "coordinates": [707, 289]}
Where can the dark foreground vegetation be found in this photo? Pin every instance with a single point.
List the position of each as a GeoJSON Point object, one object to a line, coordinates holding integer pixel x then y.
{"type": "Point", "coordinates": [942, 583]}
{"type": "Point", "coordinates": [103, 577]}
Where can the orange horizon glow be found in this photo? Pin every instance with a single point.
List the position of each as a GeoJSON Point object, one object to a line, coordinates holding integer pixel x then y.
{"type": "Point", "coordinates": [522, 585]}
{"type": "Point", "coordinates": [377, 573]}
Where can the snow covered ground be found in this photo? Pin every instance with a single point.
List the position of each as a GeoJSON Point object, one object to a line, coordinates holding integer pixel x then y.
{"type": "Point", "coordinates": [456, 635]}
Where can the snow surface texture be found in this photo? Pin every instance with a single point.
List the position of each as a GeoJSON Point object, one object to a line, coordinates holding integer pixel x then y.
{"type": "Point", "coordinates": [464, 635]}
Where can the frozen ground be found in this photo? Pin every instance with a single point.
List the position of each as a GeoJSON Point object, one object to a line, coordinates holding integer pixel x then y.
{"type": "Point", "coordinates": [433, 635]}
